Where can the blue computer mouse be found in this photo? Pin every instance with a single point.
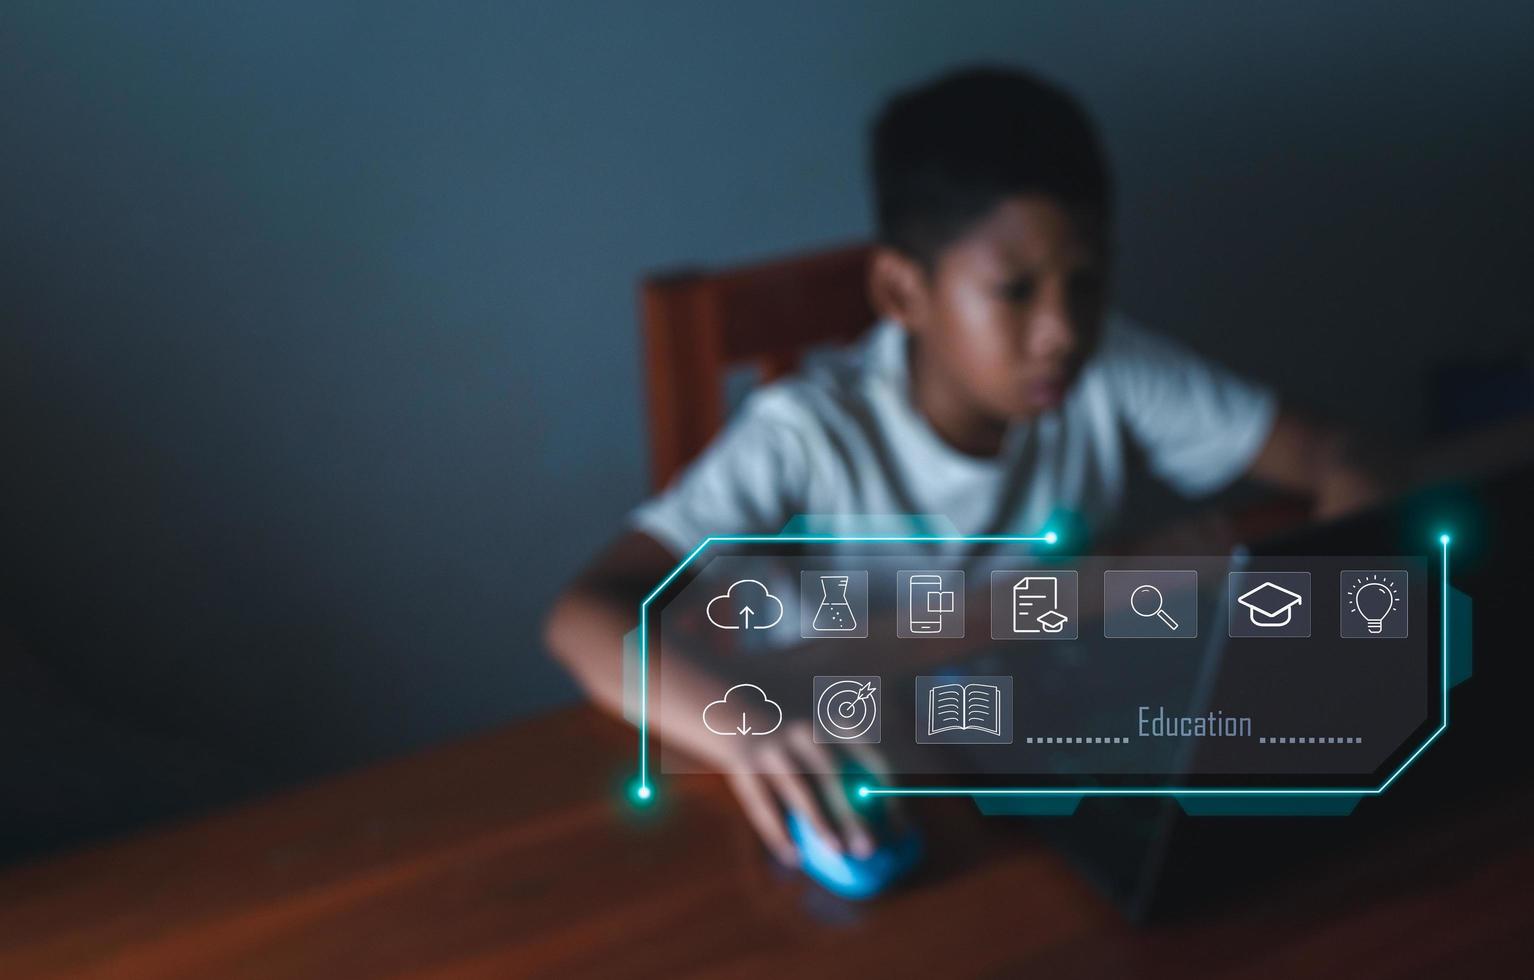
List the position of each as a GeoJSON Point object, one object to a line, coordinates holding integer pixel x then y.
{"type": "Point", "coordinates": [854, 877]}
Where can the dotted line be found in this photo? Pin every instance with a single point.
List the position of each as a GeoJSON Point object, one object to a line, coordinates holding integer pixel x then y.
{"type": "Point", "coordinates": [1265, 740]}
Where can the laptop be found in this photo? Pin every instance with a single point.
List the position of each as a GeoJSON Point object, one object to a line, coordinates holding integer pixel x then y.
{"type": "Point", "coordinates": [1157, 863]}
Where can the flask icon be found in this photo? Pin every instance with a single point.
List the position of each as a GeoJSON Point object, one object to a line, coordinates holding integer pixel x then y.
{"type": "Point", "coordinates": [834, 614]}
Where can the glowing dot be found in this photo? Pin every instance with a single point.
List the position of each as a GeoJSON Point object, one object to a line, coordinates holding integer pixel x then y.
{"type": "Point", "coordinates": [1443, 539]}
{"type": "Point", "coordinates": [1051, 537]}
{"type": "Point", "coordinates": [643, 792]}
{"type": "Point", "coordinates": [863, 791]}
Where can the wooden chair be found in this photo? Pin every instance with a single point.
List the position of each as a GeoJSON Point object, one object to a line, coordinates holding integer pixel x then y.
{"type": "Point", "coordinates": [698, 325]}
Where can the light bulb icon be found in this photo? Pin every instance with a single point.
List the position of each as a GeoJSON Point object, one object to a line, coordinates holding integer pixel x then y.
{"type": "Point", "coordinates": [1373, 596]}
{"type": "Point", "coordinates": [1374, 603]}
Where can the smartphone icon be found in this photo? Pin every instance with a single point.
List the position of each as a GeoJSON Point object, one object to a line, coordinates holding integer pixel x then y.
{"type": "Point", "coordinates": [929, 602]}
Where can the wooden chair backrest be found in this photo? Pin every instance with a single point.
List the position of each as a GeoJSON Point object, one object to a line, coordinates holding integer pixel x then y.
{"type": "Point", "coordinates": [699, 325]}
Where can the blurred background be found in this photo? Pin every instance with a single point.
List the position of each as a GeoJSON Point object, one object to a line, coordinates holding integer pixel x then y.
{"type": "Point", "coordinates": [319, 361]}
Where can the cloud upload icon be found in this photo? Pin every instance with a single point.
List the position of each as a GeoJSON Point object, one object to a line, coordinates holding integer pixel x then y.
{"type": "Point", "coordinates": [745, 709]}
{"type": "Point", "coordinates": [745, 604]}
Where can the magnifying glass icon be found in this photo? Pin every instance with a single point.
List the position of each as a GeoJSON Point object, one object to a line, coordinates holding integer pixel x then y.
{"type": "Point", "coordinates": [1146, 601]}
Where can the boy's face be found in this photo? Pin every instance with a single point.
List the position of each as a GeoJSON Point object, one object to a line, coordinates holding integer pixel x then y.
{"type": "Point", "coordinates": [1011, 310]}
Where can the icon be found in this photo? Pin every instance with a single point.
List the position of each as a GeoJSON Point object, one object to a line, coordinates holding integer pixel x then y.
{"type": "Point", "coordinates": [963, 708]}
{"type": "Point", "coordinates": [1036, 605]}
{"type": "Point", "coordinates": [1269, 604]}
{"type": "Point", "coordinates": [970, 710]}
{"type": "Point", "coordinates": [745, 709]}
{"type": "Point", "coordinates": [1053, 621]}
{"type": "Point", "coordinates": [1373, 601]}
{"type": "Point", "coordinates": [834, 614]}
{"type": "Point", "coordinates": [1146, 600]}
{"type": "Point", "coordinates": [752, 608]}
{"type": "Point", "coordinates": [833, 604]}
{"type": "Point", "coordinates": [1033, 604]}
{"type": "Point", "coordinates": [1150, 604]}
{"type": "Point", "coordinates": [847, 709]}
{"type": "Point", "coordinates": [929, 603]}
{"type": "Point", "coordinates": [1374, 604]}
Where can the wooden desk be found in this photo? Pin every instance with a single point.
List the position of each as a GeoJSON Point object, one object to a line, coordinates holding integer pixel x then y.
{"type": "Point", "coordinates": [514, 854]}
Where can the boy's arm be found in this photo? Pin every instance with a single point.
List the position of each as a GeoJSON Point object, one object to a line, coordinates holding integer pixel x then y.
{"type": "Point", "coordinates": [1316, 461]}
{"type": "Point", "coordinates": [585, 631]}
{"type": "Point", "coordinates": [586, 626]}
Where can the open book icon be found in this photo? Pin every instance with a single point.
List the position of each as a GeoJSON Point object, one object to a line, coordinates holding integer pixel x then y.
{"type": "Point", "coordinates": [964, 708]}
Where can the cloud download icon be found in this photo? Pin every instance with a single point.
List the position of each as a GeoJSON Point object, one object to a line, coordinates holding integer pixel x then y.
{"type": "Point", "coordinates": [745, 709]}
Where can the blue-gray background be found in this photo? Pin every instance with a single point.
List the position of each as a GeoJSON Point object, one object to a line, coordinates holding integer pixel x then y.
{"type": "Point", "coordinates": [318, 355]}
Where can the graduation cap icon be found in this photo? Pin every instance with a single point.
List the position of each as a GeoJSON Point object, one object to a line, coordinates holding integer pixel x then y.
{"type": "Point", "coordinates": [1270, 605]}
{"type": "Point", "coordinates": [1053, 621]}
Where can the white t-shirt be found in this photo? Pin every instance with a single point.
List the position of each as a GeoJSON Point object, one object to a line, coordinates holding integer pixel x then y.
{"type": "Point", "coordinates": [845, 440]}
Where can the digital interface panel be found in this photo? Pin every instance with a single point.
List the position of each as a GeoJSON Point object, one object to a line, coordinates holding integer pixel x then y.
{"type": "Point", "coordinates": [1005, 665]}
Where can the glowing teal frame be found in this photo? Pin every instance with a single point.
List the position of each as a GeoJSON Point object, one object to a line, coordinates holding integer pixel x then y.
{"type": "Point", "coordinates": [643, 790]}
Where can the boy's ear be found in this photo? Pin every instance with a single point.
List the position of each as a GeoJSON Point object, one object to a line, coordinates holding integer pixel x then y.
{"type": "Point", "coordinates": [897, 288]}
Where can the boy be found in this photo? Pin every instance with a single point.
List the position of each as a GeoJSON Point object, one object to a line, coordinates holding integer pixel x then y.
{"type": "Point", "coordinates": [998, 388]}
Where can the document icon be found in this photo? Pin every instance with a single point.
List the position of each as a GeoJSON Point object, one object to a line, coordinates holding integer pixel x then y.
{"type": "Point", "coordinates": [1036, 605]}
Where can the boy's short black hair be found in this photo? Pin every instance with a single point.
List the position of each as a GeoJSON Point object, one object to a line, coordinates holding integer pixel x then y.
{"type": "Point", "coordinates": [945, 153]}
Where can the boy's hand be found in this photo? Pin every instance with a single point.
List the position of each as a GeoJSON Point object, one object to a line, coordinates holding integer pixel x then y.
{"type": "Point", "coordinates": [585, 631]}
{"type": "Point", "coordinates": [769, 787]}
{"type": "Point", "coordinates": [1344, 489]}
{"type": "Point", "coordinates": [1305, 458]}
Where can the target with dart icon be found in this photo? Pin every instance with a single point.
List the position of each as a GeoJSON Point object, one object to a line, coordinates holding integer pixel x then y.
{"type": "Point", "coordinates": [847, 709]}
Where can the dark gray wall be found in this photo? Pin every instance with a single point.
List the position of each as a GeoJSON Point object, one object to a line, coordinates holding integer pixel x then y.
{"type": "Point", "coordinates": [318, 366]}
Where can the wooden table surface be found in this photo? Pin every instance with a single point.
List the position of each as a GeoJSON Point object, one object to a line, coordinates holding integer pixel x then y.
{"type": "Point", "coordinates": [515, 854]}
